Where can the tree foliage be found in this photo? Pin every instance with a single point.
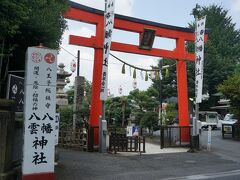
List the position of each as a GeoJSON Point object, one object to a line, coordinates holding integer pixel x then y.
{"type": "Point", "coordinates": [45, 24]}
{"type": "Point", "coordinates": [66, 115]}
{"type": "Point", "coordinates": [139, 104]}
{"type": "Point", "coordinates": [222, 52]}
{"type": "Point", "coordinates": [222, 49]}
{"type": "Point", "coordinates": [231, 89]}
{"type": "Point", "coordinates": [12, 15]}
{"type": "Point", "coordinates": [149, 120]}
{"type": "Point", "coordinates": [171, 114]}
{"type": "Point", "coordinates": [118, 111]}
{"type": "Point", "coordinates": [168, 81]}
{"type": "Point", "coordinates": [27, 23]}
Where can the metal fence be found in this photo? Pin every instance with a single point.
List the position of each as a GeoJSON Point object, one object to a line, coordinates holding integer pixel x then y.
{"type": "Point", "coordinates": [175, 136]}
{"type": "Point", "coordinates": [236, 131]}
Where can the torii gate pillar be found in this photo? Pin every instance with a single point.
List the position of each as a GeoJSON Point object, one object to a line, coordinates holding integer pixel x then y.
{"type": "Point", "coordinates": [183, 114]}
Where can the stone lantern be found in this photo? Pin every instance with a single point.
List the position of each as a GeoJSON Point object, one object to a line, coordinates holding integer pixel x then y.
{"type": "Point", "coordinates": [62, 81]}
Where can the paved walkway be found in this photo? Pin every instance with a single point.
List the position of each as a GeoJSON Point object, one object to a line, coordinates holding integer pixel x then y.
{"type": "Point", "coordinates": [155, 149]}
{"type": "Point", "coordinates": [151, 148]}
{"type": "Point", "coordinates": [154, 164]}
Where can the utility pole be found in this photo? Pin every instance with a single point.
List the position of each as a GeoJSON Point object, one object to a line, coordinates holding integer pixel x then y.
{"type": "Point", "coordinates": [160, 104]}
{"type": "Point", "coordinates": [1, 62]}
{"type": "Point", "coordinates": [160, 91]}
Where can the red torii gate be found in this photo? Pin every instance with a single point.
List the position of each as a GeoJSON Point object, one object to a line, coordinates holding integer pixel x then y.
{"type": "Point", "coordinates": [89, 15]}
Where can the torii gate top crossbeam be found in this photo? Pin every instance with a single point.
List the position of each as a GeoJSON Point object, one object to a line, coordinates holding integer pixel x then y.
{"type": "Point", "coordinates": [86, 14]}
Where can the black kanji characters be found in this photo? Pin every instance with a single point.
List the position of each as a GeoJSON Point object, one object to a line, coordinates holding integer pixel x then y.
{"type": "Point", "coordinates": [35, 84]}
{"type": "Point", "coordinates": [105, 62]}
{"type": "Point", "coordinates": [109, 22]}
{"type": "Point", "coordinates": [47, 105]}
{"type": "Point", "coordinates": [36, 70]}
{"type": "Point", "coordinates": [49, 82]}
{"type": "Point", "coordinates": [47, 116]}
{"type": "Point", "coordinates": [49, 76]}
{"type": "Point", "coordinates": [42, 142]}
{"type": "Point", "coordinates": [33, 128]}
{"type": "Point", "coordinates": [46, 128]}
{"type": "Point", "coordinates": [108, 33]}
{"type": "Point", "coordinates": [106, 47]}
{"type": "Point", "coordinates": [48, 98]}
{"type": "Point", "coordinates": [34, 115]}
{"type": "Point", "coordinates": [49, 69]}
{"type": "Point", "coordinates": [197, 72]}
{"type": "Point", "coordinates": [48, 90]}
{"type": "Point", "coordinates": [38, 159]}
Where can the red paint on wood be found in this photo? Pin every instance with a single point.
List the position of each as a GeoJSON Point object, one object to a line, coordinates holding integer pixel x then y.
{"type": "Point", "coordinates": [39, 176]}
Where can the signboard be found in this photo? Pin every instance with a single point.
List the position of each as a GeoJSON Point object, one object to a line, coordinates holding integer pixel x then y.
{"type": "Point", "coordinates": [108, 24]}
{"type": "Point", "coordinates": [227, 129]}
{"type": "Point", "coordinates": [135, 131]}
{"type": "Point", "coordinates": [15, 91]}
{"type": "Point", "coordinates": [129, 131]}
{"type": "Point", "coordinates": [132, 131]}
{"type": "Point", "coordinates": [39, 110]}
{"type": "Point", "coordinates": [199, 59]}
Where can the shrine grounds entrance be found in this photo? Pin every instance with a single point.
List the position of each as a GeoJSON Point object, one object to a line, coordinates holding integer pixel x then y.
{"type": "Point", "coordinates": [181, 35]}
{"type": "Point", "coordinates": [118, 141]}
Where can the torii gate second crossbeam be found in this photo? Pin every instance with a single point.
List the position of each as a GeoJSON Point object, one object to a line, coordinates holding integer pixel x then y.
{"type": "Point", "coordinates": [86, 14]}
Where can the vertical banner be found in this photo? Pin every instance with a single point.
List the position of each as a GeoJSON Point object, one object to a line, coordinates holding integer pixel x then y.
{"type": "Point", "coordinates": [199, 57]}
{"type": "Point", "coordinates": [108, 29]}
{"type": "Point", "coordinates": [39, 111]}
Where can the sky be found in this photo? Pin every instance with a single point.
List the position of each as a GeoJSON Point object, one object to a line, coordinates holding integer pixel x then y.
{"type": "Point", "coordinates": [171, 12]}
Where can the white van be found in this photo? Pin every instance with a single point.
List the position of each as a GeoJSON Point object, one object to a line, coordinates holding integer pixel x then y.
{"type": "Point", "coordinates": [209, 118]}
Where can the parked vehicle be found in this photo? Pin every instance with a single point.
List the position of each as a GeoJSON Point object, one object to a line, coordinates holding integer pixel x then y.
{"type": "Point", "coordinates": [209, 118]}
{"type": "Point", "coordinates": [229, 119]}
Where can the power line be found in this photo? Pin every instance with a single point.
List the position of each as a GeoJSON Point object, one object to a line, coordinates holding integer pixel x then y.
{"type": "Point", "coordinates": [85, 59]}
{"type": "Point", "coordinates": [122, 61]}
{"type": "Point", "coordinates": [68, 52]}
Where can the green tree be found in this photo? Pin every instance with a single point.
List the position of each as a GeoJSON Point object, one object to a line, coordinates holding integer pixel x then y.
{"type": "Point", "coordinates": [66, 115]}
{"type": "Point", "coordinates": [70, 95]}
{"type": "Point", "coordinates": [12, 14]}
{"type": "Point", "coordinates": [118, 111]}
{"type": "Point", "coordinates": [222, 49]}
{"type": "Point", "coordinates": [28, 23]}
{"type": "Point", "coordinates": [85, 111]}
{"type": "Point", "coordinates": [168, 81]}
{"type": "Point", "coordinates": [149, 120]}
{"type": "Point", "coordinates": [231, 89]}
{"type": "Point", "coordinates": [222, 52]}
{"type": "Point", "coordinates": [171, 114]}
{"type": "Point", "coordinates": [45, 24]}
{"type": "Point", "coordinates": [144, 107]}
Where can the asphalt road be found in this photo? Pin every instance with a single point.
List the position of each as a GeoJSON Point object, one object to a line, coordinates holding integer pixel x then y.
{"type": "Point", "coordinates": [222, 162]}
{"type": "Point", "coordinates": [226, 148]}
